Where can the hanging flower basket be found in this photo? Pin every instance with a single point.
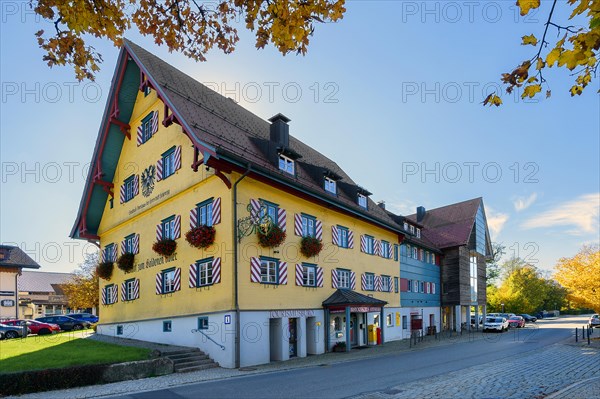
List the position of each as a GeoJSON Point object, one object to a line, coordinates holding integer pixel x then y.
{"type": "Point", "coordinates": [125, 262]}
{"type": "Point", "coordinates": [273, 238]}
{"type": "Point", "coordinates": [165, 247]}
{"type": "Point", "coordinates": [201, 237]}
{"type": "Point", "coordinates": [104, 270]}
{"type": "Point", "coordinates": [310, 246]}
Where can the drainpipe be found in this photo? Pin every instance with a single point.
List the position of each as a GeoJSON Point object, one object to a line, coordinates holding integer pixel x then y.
{"type": "Point", "coordinates": [235, 269]}
{"type": "Point", "coordinates": [17, 294]}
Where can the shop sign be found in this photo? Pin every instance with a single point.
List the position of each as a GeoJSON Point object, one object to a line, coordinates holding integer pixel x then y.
{"type": "Point", "coordinates": [275, 314]}
{"type": "Point", "coordinates": [7, 293]}
{"type": "Point", "coordinates": [7, 302]}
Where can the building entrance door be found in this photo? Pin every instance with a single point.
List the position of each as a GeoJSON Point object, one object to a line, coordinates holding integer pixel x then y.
{"type": "Point", "coordinates": [293, 333]}
{"type": "Point", "coordinates": [353, 330]}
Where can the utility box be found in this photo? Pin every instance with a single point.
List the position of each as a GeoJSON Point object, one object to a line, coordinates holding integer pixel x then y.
{"type": "Point", "coordinates": [372, 334]}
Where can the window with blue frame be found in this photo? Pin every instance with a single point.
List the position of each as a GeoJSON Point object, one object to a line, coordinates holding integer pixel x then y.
{"type": "Point", "coordinates": [109, 292]}
{"type": "Point", "coordinates": [129, 188]}
{"type": "Point", "coordinates": [342, 236]}
{"type": "Point", "coordinates": [308, 225]}
{"type": "Point", "coordinates": [309, 275]}
{"type": "Point", "coordinates": [415, 253]}
{"type": "Point", "coordinates": [168, 163]}
{"type": "Point", "coordinates": [130, 289]}
{"type": "Point", "coordinates": [203, 323]}
{"type": "Point", "coordinates": [343, 278]}
{"type": "Point", "coordinates": [286, 164]}
{"type": "Point", "coordinates": [205, 212]}
{"type": "Point", "coordinates": [408, 251]}
{"type": "Point", "coordinates": [269, 270]}
{"type": "Point", "coordinates": [385, 250]}
{"type": "Point", "coordinates": [396, 285]}
{"type": "Point", "coordinates": [330, 185]}
{"type": "Point", "coordinates": [421, 287]}
{"type": "Point", "coordinates": [269, 209]}
{"type": "Point", "coordinates": [168, 281]}
{"type": "Point", "coordinates": [369, 281]}
{"type": "Point", "coordinates": [205, 272]}
{"type": "Point", "coordinates": [129, 247]}
{"type": "Point", "coordinates": [147, 127]}
{"type": "Point", "coordinates": [369, 243]}
{"type": "Point", "coordinates": [385, 283]}
{"type": "Point", "coordinates": [119, 330]}
{"type": "Point", "coordinates": [168, 226]}
{"type": "Point", "coordinates": [167, 326]}
{"type": "Point", "coordinates": [109, 252]}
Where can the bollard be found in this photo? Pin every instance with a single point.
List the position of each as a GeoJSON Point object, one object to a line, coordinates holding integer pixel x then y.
{"type": "Point", "coordinates": [576, 335]}
{"type": "Point", "coordinates": [588, 336]}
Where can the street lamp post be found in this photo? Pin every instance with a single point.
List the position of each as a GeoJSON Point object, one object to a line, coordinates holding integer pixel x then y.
{"type": "Point", "coordinates": [502, 307]}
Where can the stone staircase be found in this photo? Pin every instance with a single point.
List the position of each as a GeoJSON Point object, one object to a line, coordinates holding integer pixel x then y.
{"type": "Point", "coordinates": [189, 360]}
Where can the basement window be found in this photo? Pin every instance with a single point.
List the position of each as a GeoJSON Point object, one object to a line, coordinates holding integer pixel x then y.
{"type": "Point", "coordinates": [167, 326]}
{"type": "Point", "coordinates": [119, 330]}
{"type": "Point", "coordinates": [203, 323]}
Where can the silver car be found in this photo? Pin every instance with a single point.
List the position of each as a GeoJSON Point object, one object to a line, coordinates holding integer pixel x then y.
{"type": "Point", "coordinates": [13, 331]}
{"type": "Point", "coordinates": [594, 321]}
{"type": "Point", "coordinates": [496, 324]}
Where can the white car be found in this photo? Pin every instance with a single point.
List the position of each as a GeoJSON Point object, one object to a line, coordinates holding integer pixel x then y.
{"type": "Point", "coordinates": [594, 321]}
{"type": "Point", "coordinates": [495, 323]}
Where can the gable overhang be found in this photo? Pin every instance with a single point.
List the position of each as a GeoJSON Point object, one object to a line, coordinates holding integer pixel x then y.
{"type": "Point", "coordinates": [114, 129]}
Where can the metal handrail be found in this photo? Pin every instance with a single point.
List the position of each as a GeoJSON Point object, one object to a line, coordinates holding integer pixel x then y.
{"type": "Point", "coordinates": [210, 339]}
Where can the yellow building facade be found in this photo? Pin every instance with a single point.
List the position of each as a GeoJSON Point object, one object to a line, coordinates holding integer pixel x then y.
{"type": "Point", "coordinates": [167, 162]}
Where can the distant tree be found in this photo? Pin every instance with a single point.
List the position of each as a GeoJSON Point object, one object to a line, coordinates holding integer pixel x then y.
{"type": "Point", "coordinates": [511, 265]}
{"type": "Point", "coordinates": [82, 290]}
{"type": "Point", "coordinates": [493, 264]}
{"type": "Point", "coordinates": [580, 275]}
{"type": "Point", "coordinates": [190, 26]}
{"type": "Point", "coordinates": [556, 295]}
{"type": "Point", "coordinates": [523, 291]}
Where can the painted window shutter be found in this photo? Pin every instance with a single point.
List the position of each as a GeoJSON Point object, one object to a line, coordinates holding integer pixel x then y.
{"type": "Point", "coordinates": [136, 244]}
{"type": "Point", "coordinates": [298, 224]}
{"type": "Point", "coordinates": [136, 185]}
{"type": "Point", "coordinates": [281, 218]}
{"type": "Point", "coordinates": [177, 279]}
{"type": "Point", "coordinates": [154, 122]}
{"type": "Point", "coordinates": [282, 272]}
{"type": "Point", "coordinates": [352, 280]}
{"type": "Point", "coordinates": [334, 235]}
{"type": "Point", "coordinates": [115, 294]}
{"type": "Point", "coordinates": [104, 296]}
{"type": "Point", "coordinates": [216, 271]}
{"type": "Point", "coordinates": [177, 163]}
{"type": "Point", "coordinates": [255, 270]}
{"type": "Point", "coordinates": [363, 243]}
{"type": "Point", "coordinates": [319, 277]}
{"type": "Point", "coordinates": [299, 275]}
{"type": "Point", "coordinates": [115, 252]}
{"type": "Point", "coordinates": [123, 291]}
{"type": "Point", "coordinates": [390, 284]}
{"type": "Point", "coordinates": [216, 211]}
{"type": "Point", "coordinates": [193, 275]}
{"type": "Point", "coordinates": [159, 169]}
{"type": "Point", "coordinates": [177, 229]}
{"type": "Point", "coordinates": [254, 209]}
{"type": "Point", "coordinates": [390, 253]}
{"type": "Point", "coordinates": [123, 247]}
{"type": "Point", "coordinates": [159, 231]}
{"type": "Point", "coordinates": [350, 239]}
{"type": "Point", "coordinates": [140, 134]}
{"type": "Point", "coordinates": [136, 288]}
{"type": "Point", "coordinates": [159, 283]}
{"type": "Point", "coordinates": [377, 283]}
{"type": "Point", "coordinates": [319, 230]}
{"type": "Point", "coordinates": [363, 282]}
{"type": "Point", "coordinates": [122, 193]}
{"type": "Point", "coordinates": [193, 218]}
{"type": "Point", "coordinates": [334, 279]}
{"type": "Point", "coordinates": [376, 247]}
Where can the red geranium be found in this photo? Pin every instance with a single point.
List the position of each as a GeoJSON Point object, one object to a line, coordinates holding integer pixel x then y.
{"type": "Point", "coordinates": [164, 247]}
{"type": "Point", "coordinates": [273, 238]}
{"type": "Point", "coordinates": [310, 246]}
{"type": "Point", "coordinates": [201, 237]}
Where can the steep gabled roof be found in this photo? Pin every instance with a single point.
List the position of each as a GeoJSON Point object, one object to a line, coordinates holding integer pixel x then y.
{"type": "Point", "coordinates": [218, 127]}
{"type": "Point", "coordinates": [451, 225]}
{"type": "Point", "coordinates": [11, 256]}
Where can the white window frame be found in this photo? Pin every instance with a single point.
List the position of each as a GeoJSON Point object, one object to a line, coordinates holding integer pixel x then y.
{"type": "Point", "coordinates": [362, 200]}
{"type": "Point", "coordinates": [385, 283]}
{"type": "Point", "coordinates": [309, 226]}
{"type": "Point", "coordinates": [370, 245]}
{"type": "Point", "coordinates": [418, 232]}
{"type": "Point", "coordinates": [330, 185]}
{"type": "Point", "coordinates": [309, 275]}
{"type": "Point", "coordinates": [109, 293]}
{"type": "Point", "coordinates": [370, 281]}
{"type": "Point", "coordinates": [286, 164]}
{"type": "Point", "coordinates": [168, 164]}
{"type": "Point", "coordinates": [205, 272]}
{"type": "Point", "coordinates": [405, 226]}
{"type": "Point", "coordinates": [129, 289]}
{"type": "Point", "coordinates": [268, 271]}
{"type": "Point", "coordinates": [409, 286]}
{"type": "Point", "coordinates": [415, 253]}
{"type": "Point", "coordinates": [168, 281]}
{"type": "Point", "coordinates": [385, 249]}
{"type": "Point", "coordinates": [343, 278]}
{"type": "Point", "coordinates": [412, 229]}
{"type": "Point", "coordinates": [433, 288]}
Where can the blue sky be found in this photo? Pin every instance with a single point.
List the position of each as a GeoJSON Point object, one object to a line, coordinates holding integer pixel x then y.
{"type": "Point", "coordinates": [392, 93]}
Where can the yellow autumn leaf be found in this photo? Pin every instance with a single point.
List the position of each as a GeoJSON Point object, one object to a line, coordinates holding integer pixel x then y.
{"type": "Point", "coordinates": [530, 39]}
{"type": "Point", "coordinates": [531, 90]}
{"type": "Point", "coordinates": [552, 56]}
{"type": "Point", "coordinates": [540, 64]}
{"type": "Point", "coordinates": [492, 99]}
{"type": "Point", "coordinates": [526, 5]}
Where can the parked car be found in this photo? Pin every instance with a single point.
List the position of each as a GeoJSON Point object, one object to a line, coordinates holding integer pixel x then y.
{"type": "Point", "coordinates": [496, 324]}
{"type": "Point", "coordinates": [516, 321]}
{"type": "Point", "coordinates": [1, 335]}
{"type": "Point", "coordinates": [506, 315]}
{"type": "Point", "coordinates": [594, 321]}
{"type": "Point", "coordinates": [528, 318]}
{"type": "Point", "coordinates": [12, 331]}
{"type": "Point", "coordinates": [473, 321]}
{"type": "Point", "coordinates": [90, 318]}
{"type": "Point", "coordinates": [35, 327]}
{"type": "Point", "coordinates": [65, 323]}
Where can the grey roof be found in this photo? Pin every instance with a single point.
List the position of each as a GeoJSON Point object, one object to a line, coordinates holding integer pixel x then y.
{"type": "Point", "coordinates": [41, 281]}
{"type": "Point", "coordinates": [11, 256]}
{"type": "Point", "coordinates": [349, 297]}
{"type": "Point", "coordinates": [236, 132]}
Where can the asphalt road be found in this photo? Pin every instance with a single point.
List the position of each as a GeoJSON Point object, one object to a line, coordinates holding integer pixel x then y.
{"type": "Point", "coordinates": [377, 374]}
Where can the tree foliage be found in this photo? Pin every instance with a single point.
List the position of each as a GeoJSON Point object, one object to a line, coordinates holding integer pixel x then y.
{"type": "Point", "coordinates": [576, 50]}
{"type": "Point", "coordinates": [192, 27]}
{"type": "Point", "coordinates": [581, 276]}
{"type": "Point", "coordinates": [493, 264]}
{"type": "Point", "coordinates": [82, 290]}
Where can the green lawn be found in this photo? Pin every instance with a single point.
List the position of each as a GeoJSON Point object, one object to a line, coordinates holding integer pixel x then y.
{"type": "Point", "coordinates": [62, 350]}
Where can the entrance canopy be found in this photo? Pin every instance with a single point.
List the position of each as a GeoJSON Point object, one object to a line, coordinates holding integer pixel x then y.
{"type": "Point", "coordinates": [344, 298]}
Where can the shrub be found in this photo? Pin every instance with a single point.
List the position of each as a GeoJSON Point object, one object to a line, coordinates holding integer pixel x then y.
{"type": "Point", "coordinates": [105, 270]}
{"type": "Point", "coordinates": [125, 262]}
{"type": "Point", "coordinates": [273, 238]}
{"type": "Point", "coordinates": [310, 246]}
{"type": "Point", "coordinates": [164, 247]}
{"type": "Point", "coordinates": [201, 237]}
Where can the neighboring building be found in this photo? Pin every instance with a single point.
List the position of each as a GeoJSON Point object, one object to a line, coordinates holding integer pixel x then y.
{"type": "Point", "coordinates": [171, 155]}
{"type": "Point", "coordinates": [461, 232]}
{"type": "Point", "coordinates": [12, 262]}
{"type": "Point", "coordinates": [41, 294]}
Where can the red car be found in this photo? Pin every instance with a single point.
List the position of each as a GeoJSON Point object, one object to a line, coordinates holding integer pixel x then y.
{"type": "Point", "coordinates": [35, 327]}
{"type": "Point", "coordinates": [516, 321]}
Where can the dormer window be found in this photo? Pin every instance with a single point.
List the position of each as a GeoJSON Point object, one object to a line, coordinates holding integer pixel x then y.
{"type": "Point", "coordinates": [286, 164]}
{"type": "Point", "coordinates": [362, 200]}
{"type": "Point", "coordinates": [405, 226]}
{"type": "Point", "coordinates": [330, 185]}
{"type": "Point", "coordinates": [412, 229]}
{"type": "Point", "coordinates": [418, 233]}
